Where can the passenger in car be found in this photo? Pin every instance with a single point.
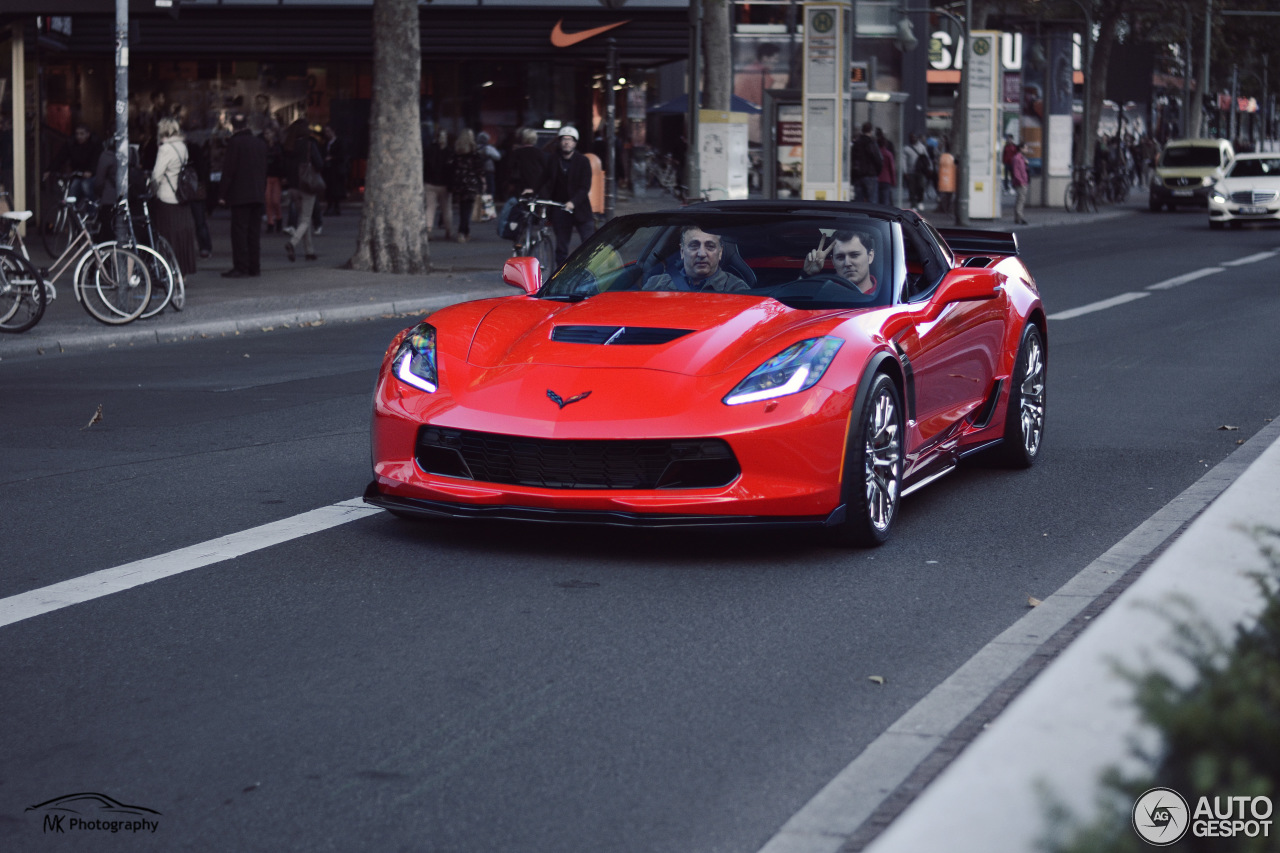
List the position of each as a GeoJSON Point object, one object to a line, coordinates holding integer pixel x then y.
{"type": "Point", "coordinates": [700, 256]}
{"type": "Point", "coordinates": [852, 253]}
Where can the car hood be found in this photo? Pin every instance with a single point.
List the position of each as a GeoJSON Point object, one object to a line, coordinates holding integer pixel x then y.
{"type": "Point", "coordinates": [1188, 171]}
{"type": "Point", "coordinates": [1266, 184]}
{"type": "Point", "coordinates": [708, 333]}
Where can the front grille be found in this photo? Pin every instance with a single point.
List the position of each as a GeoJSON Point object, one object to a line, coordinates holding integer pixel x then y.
{"type": "Point", "coordinates": [1182, 182]}
{"type": "Point", "coordinates": [696, 463]}
{"type": "Point", "coordinates": [1253, 197]}
{"type": "Point", "coordinates": [616, 335]}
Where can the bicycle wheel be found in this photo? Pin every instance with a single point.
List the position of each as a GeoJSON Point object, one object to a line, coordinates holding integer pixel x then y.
{"type": "Point", "coordinates": [1072, 198]}
{"type": "Point", "coordinates": [55, 231]}
{"type": "Point", "coordinates": [22, 294]}
{"type": "Point", "coordinates": [545, 251]}
{"type": "Point", "coordinates": [163, 280]}
{"type": "Point", "coordinates": [179, 300]}
{"type": "Point", "coordinates": [113, 284]}
{"type": "Point", "coordinates": [1091, 198]}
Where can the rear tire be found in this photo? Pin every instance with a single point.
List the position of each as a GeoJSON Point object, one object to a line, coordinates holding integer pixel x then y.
{"type": "Point", "coordinates": [55, 231]}
{"type": "Point", "coordinates": [1024, 414]}
{"type": "Point", "coordinates": [179, 299]}
{"type": "Point", "coordinates": [545, 251]}
{"type": "Point", "coordinates": [873, 468]}
{"type": "Point", "coordinates": [1071, 199]}
{"type": "Point", "coordinates": [118, 292]}
{"type": "Point", "coordinates": [22, 294]}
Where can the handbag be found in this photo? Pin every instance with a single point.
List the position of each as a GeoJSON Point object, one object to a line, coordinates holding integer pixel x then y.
{"type": "Point", "coordinates": [188, 187]}
{"type": "Point", "coordinates": [309, 180]}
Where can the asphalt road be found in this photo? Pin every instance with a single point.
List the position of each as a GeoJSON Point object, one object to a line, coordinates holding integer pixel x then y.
{"type": "Point", "coordinates": [385, 685]}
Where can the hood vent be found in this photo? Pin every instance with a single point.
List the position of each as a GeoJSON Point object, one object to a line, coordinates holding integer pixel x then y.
{"type": "Point", "coordinates": [616, 335]}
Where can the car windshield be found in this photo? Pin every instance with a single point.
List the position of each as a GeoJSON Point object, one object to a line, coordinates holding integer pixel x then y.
{"type": "Point", "coordinates": [1256, 167]}
{"type": "Point", "coordinates": [738, 253]}
{"type": "Point", "coordinates": [1193, 156]}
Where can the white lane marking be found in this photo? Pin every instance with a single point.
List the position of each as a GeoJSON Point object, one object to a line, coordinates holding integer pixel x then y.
{"type": "Point", "coordinates": [25, 605]}
{"type": "Point", "coordinates": [1184, 278]}
{"type": "Point", "coordinates": [1167, 284]}
{"type": "Point", "coordinates": [1249, 259]}
{"type": "Point", "coordinates": [1098, 306]}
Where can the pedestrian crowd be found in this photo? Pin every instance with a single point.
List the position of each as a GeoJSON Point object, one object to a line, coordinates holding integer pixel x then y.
{"type": "Point", "coordinates": [464, 176]}
{"type": "Point", "coordinates": [270, 179]}
{"type": "Point", "coordinates": [926, 166]}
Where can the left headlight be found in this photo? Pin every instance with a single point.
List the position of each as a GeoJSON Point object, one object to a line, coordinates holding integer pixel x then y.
{"type": "Point", "coordinates": [1217, 195]}
{"type": "Point", "coordinates": [415, 361]}
{"type": "Point", "coordinates": [796, 368]}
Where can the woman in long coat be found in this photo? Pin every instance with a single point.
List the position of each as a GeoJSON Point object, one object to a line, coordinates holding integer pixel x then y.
{"type": "Point", "coordinates": [173, 218]}
{"type": "Point", "coordinates": [467, 180]}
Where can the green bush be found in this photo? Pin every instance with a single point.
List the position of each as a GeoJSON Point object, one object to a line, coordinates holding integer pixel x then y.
{"type": "Point", "coordinates": [1220, 733]}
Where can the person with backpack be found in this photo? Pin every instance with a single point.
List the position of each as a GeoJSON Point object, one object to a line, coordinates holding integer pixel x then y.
{"type": "Point", "coordinates": [173, 178]}
{"type": "Point", "coordinates": [917, 169]}
{"type": "Point", "coordinates": [865, 164]}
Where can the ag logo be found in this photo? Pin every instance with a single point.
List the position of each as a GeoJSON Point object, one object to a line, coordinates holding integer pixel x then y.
{"type": "Point", "coordinates": [1161, 817]}
{"type": "Point", "coordinates": [982, 46]}
{"type": "Point", "coordinates": [823, 22]}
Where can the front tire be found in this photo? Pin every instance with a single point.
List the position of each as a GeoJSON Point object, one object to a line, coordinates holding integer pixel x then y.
{"type": "Point", "coordinates": [1024, 415]}
{"type": "Point", "coordinates": [873, 468]}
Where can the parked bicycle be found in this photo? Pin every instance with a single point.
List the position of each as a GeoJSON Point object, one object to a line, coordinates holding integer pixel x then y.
{"type": "Point", "coordinates": [1082, 192]}
{"type": "Point", "coordinates": [167, 285]}
{"type": "Point", "coordinates": [58, 228]}
{"type": "Point", "coordinates": [534, 238]}
{"type": "Point", "coordinates": [111, 282]}
{"type": "Point", "coordinates": [22, 292]}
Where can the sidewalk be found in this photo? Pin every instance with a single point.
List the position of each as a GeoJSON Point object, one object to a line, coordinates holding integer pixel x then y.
{"type": "Point", "coordinates": [314, 292]}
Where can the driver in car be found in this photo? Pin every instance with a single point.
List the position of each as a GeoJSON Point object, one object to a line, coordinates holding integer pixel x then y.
{"type": "Point", "coordinates": [700, 256]}
{"type": "Point", "coordinates": [852, 253]}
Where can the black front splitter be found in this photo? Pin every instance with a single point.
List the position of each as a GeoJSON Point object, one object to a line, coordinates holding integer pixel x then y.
{"type": "Point", "coordinates": [442, 509]}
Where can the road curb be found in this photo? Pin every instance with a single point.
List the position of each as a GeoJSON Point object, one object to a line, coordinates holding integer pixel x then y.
{"type": "Point", "coordinates": [115, 338]}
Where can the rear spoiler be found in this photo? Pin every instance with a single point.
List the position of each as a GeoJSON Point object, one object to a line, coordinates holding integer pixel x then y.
{"type": "Point", "coordinates": [973, 241]}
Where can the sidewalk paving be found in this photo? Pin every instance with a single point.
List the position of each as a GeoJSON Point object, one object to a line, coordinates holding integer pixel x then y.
{"type": "Point", "coordinates": [320, 291]}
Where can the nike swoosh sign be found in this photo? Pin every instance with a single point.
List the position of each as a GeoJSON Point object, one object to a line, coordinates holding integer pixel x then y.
{"type": "Point", "coordinates": [560, 38]}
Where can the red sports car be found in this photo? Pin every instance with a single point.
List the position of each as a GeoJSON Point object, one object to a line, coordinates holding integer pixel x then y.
{"type": "Point", "coordinates": [729, 363]}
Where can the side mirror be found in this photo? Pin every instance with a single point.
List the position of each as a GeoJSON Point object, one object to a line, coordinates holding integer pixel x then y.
{"type": "Point", "coordinates": [963, 285]}
{"type": "Point", "coordinates": [524, 273]}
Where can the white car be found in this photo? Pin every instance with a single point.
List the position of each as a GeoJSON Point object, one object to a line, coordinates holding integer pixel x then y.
{"type": "Point", "coordinates": [1249, 192]}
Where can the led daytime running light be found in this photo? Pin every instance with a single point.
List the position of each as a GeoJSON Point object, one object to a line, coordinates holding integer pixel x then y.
{"type": "Point", "coordinates": [795, 369]}
{"type": "Point", "coordinates": [416, 360]}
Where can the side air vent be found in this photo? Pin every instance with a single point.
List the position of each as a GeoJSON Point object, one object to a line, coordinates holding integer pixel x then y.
{"type": "Point", "coordinates": [616, 335]}
{"type": "Point", "coordinates": [978, 261]}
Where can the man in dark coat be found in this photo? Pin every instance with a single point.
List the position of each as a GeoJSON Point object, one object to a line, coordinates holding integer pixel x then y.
{"type": "Point", "coordinates": [243, 189]}
{"type": "Point", "coordinates": [569, 181]}
{"type": "Point", "coordinates": [866, 162]}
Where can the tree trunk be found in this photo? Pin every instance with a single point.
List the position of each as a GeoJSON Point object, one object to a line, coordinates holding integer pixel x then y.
{"type": "Point", "coordinates": [716, 41]}
{"type": "Point", "coordinates": [392, 237]}
{"type": "Point", "coordinates": [1106, 18]}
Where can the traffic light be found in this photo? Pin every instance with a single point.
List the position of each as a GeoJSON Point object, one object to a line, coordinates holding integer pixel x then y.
{"type": "Point", "coordinates": [906, 36]}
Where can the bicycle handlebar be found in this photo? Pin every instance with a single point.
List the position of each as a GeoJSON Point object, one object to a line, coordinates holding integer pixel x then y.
{"type": "Point", "coordinates": [535, 202]}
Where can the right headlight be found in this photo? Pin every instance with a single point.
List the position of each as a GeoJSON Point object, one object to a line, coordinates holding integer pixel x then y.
{"type": "Point", "coordinates": [415, 361]}
{"type": "Point", "coordinates": [1217, 196]}
{"type": "Point", "coordinates": [796, 368]}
